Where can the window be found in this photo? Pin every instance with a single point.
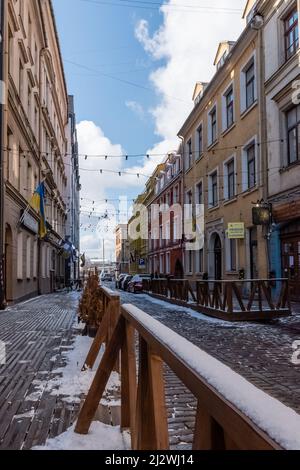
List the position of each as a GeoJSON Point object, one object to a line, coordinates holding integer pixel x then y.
{"type": "Point", "coordinates": [213, 189]}
{"type": "Point", "coordinates": [168, 268]}
{"type": "Point", "coordinates": [213, 126]}
{"type": "Point", "coordinates": [161, 264]}
{"type": "Point", "coordinates": [250, 85]}
{"type": "Point", "coordinates": [21, 79]}
{"type": "Point", "coordinates": [29, 94]}
{"type": "Point", "coordinates": [11, 51]}
{"type": "Point", "coordinates": [229, 108]}
{"type": "Point", "coordinates": [20, 257]}
{"type": "Point", "coordinates": [291, 34]}
{"type": "Point", "coordinates": [199, 141]}
{"type": "Point", "coordinates": [230, 183]}
{"type": "Point", "coordinates": [199, 193]}
{"type": "Point", "coordinates": [232, 255]}
{"type": "Point", "coordinates": [28, 258]}
{"type": "Point", "coordinates": [189, 154]}
{"type": "Point", "coordinates": [200, 261]}
{"type": "Point", "coordinates": [35, 259]}
{"type": "Point", "coordinates": [251, 166]}
{"type": "Point", "coordinates": [189, 261]}
{"type": "Point", "coordinates": [293, 135]}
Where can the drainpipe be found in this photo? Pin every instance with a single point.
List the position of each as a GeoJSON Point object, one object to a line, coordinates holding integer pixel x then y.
{"type": "Point", "coordinates": [182, 202]}
{"type": "Point", "coordinates": [2, 76]}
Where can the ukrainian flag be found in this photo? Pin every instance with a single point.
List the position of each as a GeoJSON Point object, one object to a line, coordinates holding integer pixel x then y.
{"type": "Point", "coordinates": [38, 204]}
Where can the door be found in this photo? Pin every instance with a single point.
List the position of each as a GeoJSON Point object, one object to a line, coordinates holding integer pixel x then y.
{"type": "Point", "coordinates": [253, 253]}
{"type": "Point", "coordinates": [218, 258]}
{"type": "Point", "coordinates": [291, 264]}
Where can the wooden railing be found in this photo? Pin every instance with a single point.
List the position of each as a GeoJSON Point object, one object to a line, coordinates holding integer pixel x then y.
{"type": "Point", "coordinates": [219, 423]}
{"type": "Point", "coordinates": [227, 299]}
{"type": "Point", "coordinates": [110, 314]}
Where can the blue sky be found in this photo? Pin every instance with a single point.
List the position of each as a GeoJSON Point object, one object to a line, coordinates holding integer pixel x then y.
{"type": "Point", "coordinates": [162, 51]}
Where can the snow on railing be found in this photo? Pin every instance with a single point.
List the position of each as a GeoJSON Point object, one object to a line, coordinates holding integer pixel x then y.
{"type": "Point", "coordinates": [232, 413]}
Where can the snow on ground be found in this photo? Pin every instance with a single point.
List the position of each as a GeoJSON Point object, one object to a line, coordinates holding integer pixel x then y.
{"type": "Point", "coordinates": [70, 382]}
{"type": "Point", "coordinates": [277, 420]}
{"type": "Point", "coordinates": [100, 437]}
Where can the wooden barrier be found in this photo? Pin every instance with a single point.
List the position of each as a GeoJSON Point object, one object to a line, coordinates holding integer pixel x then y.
{"type": "Point", "coordinates": [226, 299]}
{"type": "Point", "coordinates": [219, 424]}
{"type": "Point", "coordinates": [110, 315]}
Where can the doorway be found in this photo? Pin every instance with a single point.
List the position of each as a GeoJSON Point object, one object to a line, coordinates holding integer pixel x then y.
{"type": "Point", "coordinates": [253, 253]}
{"type": "Point", "coordinates": [8, 264]}
{"type": "Point", "coordinates": [179, 273]}
{"type": "Point", "coordinates": [291, 264]}
{"type": "Point", "coordinates": [218, 258]}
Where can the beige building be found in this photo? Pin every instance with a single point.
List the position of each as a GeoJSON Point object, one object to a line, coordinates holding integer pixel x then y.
{"type": "Point", "coordinates": [122, 249]}
{"type": "Point", "coordinates": [35, 126]}
{"type": "Point", "coordinates": [224, 164]}
{"type": "Point", "coordinates": [282, 84]}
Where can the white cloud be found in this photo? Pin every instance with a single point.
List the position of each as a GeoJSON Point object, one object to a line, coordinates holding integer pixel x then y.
{"type": "Point", "coordinates": [136, 108]}
{"type": "Point", "coordinates": [92, 141]}
{"type": "Point", "coordinates": [188, 43]}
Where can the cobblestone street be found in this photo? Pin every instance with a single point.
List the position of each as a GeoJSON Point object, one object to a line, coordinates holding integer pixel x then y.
{"type": "Point", "coordinates": [36, 334]}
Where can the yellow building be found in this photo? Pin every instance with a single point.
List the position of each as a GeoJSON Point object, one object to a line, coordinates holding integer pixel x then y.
{"type": "Point", "coordinates": [224, 164]}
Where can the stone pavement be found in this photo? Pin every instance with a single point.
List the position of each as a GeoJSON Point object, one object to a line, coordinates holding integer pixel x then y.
{"type": "Point", "coordinates": [36, 333]}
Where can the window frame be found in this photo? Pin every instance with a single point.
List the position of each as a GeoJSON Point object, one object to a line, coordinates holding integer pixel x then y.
{"type": "Point", "coordinates": [287, 30]}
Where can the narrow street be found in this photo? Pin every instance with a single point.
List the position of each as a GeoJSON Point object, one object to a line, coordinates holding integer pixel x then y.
{"type": "Point", "coordinates": [38, 332]}
{"type": "Point", "coordinates": [35, 333]}
{"type": "Point", "coordinates": [260, 352]}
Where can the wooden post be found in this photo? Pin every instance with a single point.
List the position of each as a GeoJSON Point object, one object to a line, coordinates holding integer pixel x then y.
{"type": "Point", "coordinates": [208, 433]}
{"type": "Point", "coordinates": [99, 383]}
{"type": "Point", "coordinates": [158, 401]}
{"type": "Point", "coordinates": [96, 344]}
{"type": "Point", "coordinates": [128, 382]}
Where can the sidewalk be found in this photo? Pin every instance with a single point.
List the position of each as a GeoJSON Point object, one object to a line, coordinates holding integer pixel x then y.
{"type": "Point", "coordinates": [36, 333]}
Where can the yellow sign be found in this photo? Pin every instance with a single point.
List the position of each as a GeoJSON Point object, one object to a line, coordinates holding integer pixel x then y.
{"type": "Point", "coordinates": [236, 230]}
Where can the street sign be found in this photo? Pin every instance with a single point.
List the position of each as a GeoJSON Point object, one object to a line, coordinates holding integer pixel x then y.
{"type": "Point", "coordinates": [236, 230]}
{"type": "Point", "coordinates": [142, 263]}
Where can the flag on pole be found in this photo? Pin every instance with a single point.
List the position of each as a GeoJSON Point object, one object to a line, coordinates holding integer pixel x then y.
{"type": "Point", "coordinates": [37, 203]}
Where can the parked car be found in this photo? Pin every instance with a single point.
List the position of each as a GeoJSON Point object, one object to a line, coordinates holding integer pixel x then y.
{"type": "Point", "coordinates": [106, 277]}
{"type": "Point", "coordinates": [136, 283]}
{"type": "Point", "coordinates": [125, 282]}
{"type": "Point", "coordinates": [119, 280]}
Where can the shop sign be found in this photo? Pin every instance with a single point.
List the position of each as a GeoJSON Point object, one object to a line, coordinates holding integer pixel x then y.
{"type": "Point", "coordinates": [30, 223]}
{"type": "Point", "coordinates": [236, 230]}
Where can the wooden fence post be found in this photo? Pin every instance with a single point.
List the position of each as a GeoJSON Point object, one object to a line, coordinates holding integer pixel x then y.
{"type": "Point", "coordinates": [101, 378]}
{"type": "Point", "coordinates": [128, 382]}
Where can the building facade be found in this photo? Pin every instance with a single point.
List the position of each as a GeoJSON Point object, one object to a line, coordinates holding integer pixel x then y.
{"type": "Point", "coordinates": [282, 75]}
{"type": "Point", "coordinates": [165, 218]}
{"type": "Point", "coordinates": [224, 165]}
{"type": "Point", "coordinates": [35, 143]}
{"type": "Point", "coordinates": [122, 249]}
{"type": "Point", "coordinates": [72, 197]}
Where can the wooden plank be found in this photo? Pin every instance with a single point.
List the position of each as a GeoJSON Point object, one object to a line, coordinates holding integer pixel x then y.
{"type": "Point", "coordinates": [128, 381]}
{"type": "Point", "coordinates": [101, 378]}
{"type": "Point", "coordinates": [157, 386]}
{"type": "Point", "coordinates": [208, 435]}
{"type": "Point", "coordinates": [96, 344]}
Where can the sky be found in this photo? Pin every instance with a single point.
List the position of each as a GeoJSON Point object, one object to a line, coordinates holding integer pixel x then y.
{"type": "Point", "coordinates": [132, 67]}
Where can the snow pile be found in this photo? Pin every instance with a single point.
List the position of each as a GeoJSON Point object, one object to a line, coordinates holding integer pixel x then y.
{"type": "Point", "coordinates": [100, 437]}
{"type": "Point", "coordinates": [70, 382]}
{"type": "Point", "coordinates": [280, 422]}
